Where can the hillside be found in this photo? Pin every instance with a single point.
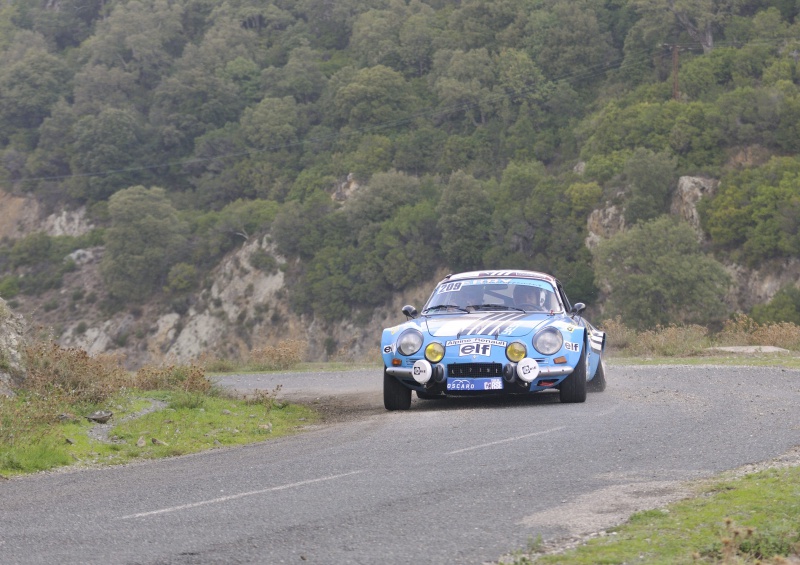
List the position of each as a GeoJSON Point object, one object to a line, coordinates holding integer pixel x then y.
{"type": "Point", "coordinates": [244, 308]}
{"type": "Point", "coordinates": [237, 171]}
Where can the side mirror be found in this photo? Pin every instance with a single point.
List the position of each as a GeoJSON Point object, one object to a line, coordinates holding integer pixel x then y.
{"type": "Point", "coordinates": [578, 307]}
{"type": "Point", "coordinates": [409, 311]}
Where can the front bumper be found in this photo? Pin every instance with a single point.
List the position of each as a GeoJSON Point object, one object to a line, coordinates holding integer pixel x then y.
{"type": "Point", "coordinates": [547, 377]}
{"type": "Point", "coordinates": [560, 371]}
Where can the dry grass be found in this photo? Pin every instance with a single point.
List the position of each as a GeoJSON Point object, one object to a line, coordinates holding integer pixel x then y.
{"type": "Point", "coordinates": [285, 355]}
{"type": "Point", "coordinates": [187, 378]}
{"type": "Point", "coordinates": [685, 341]}
{"type": "Point", "coordinates": [743, 330]}
{"type": "Point", "coordinates": [618, 335]}
{"type": "Point", "coordinates": [51, 370]}
{"type": "Point", "coordinates": [670, 341]}
{"type": "Point", "coordinates": [19, 419]}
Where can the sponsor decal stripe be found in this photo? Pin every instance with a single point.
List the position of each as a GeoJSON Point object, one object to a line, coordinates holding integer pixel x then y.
{"type": "Point", "coordinates": [496, 325]}
{"type": "Point", "coordinates": [472, 328]}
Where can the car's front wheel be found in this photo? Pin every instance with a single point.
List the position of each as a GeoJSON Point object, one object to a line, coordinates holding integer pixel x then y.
{"type": "Point", "coordinates": [395, 395]}
{"type": "Point", "coordinates": [573, 388]}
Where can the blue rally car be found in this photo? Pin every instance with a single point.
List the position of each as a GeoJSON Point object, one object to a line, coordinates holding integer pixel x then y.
{"type": "Point", "coordinates": [492, 332]}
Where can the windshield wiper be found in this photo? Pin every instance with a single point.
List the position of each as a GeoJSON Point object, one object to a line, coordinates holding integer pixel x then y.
{"type": "Point", "coordinates": [443, 307]}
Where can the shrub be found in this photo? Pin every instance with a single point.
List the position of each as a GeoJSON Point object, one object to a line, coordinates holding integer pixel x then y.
{"type": "Point", "coordinates": [182, 277]}
{"type": "Point", "coordinates": [670, 341]}
{"type": "Point", "coordinates": [285, 355]}
{"type": "Point", "coordinates": [743, 330]}
{"type": "Point", "coordinates": [187, 378]}
{"type": "Point", "coordinates": [737, 330]}
{"type": "Point", "coordinates": [783, 307]}
{"type": "Point", "coordinates": [9, 287]}
{"type": "Point", "coordinates": [5, 313]}
{"type": "Point", "coordinates": [658, 275]}
{"type": "Point", "coordinates": [618, 335]}
{"type": "Point", "coordinates": [53, 370]}
{"type": "Point", "coordinates": [263, 261]}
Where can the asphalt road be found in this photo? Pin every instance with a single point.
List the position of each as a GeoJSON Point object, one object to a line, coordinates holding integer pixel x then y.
{"type": "Point", "coordinates": [457, 481]}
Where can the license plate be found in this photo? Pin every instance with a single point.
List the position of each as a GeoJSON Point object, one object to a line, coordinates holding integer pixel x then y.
{"type": "Point", "coordinates": [493, 383]}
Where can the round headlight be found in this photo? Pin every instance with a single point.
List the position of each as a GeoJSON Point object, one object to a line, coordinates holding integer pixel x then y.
{"type": "Point", "coordinates": [548, 341]}
{"type": "Point", "coordinates": [409, 342]}
{"type": "Point", "coordinates": [516, 351]}
{"type": "Point", "coordinates": [434, 352]}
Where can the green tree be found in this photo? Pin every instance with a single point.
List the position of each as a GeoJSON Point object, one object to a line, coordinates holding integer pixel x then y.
{"type": "Point", "coordinates": [482, 23]}
{"type": "Point", "coordinates": [417, 38]}
{"type": "Point", "coordinates": [463, 81]}
{"type": "Point", "coordinates": [407, 246]}
{"type": "Point", "coordinates": [698, 18]}
{"type": "Point", "coordinates": [376, 95]}
{"type": "Point", "coordinates": [145, 239]}
{"type": "Point", "coordinates": [465, 215]}
{"type": "Point", "coordinates": [383, 195]}
{"type": "Point", "coordinates": [140, 37]}
{"type": "Point", "coordinates": [29, 87]}
{"type": "Point", "coordinates": [98, 87]}
{"type": "Point", "coordinates": [754, 214]}
{"type": "Point", "coordinates": [783, 307]}
{"type": "Point", "coordinates": [331, 23]}
{"type": "Point", "coordinates": [106, 153]}
{"type": "Point", "coordinates": [301, 77]}
{"type": "Point", "coordinates": [650, 178]}
{"type": "Point", "coordinates": [67, 23]}
{"type": "Point", "coordinates": [656, 274]}
{"type": "Point", "coordinates": [375, 40]}
{"type": "Point", "coordinates": [568, 41]}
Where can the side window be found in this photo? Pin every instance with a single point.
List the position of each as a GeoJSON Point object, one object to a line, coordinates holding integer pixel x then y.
{"type": "Point", "coordinates": [564, 299]}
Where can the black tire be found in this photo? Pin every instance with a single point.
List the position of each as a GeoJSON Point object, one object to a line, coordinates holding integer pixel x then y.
{"type": "Point", "coordinates": [428, 396]}
{"type": "Point", "coordinates": [573, 388]}
{"type": "Point", "coordinates": [598, 383]}
{"type": "Point", "coordinates": [395, 395]}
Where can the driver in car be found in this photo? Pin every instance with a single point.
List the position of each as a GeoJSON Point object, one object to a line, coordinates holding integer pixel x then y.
{"type": "Point", "coordinates": [530, 298]}
{"type": "Point", "coordinates": [470, 296]}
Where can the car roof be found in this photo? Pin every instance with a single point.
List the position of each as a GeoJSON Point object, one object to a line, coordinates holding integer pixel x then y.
{"type": "Point", "coordinates": [501, 274]}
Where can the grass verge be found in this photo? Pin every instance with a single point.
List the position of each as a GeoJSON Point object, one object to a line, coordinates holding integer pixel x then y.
{"type": "Point", "coordinates": [746, 520]}
{"type": "Point", "coordinates": [145, 425]}
{"type": "Point", "coordinates": [158, 411]}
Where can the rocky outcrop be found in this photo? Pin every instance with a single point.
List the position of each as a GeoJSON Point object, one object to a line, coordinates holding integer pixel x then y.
{"type": "Point", "coordinates": [759, 286]}
{"type": "Point", "coordinates": [689, 192]}
{"type": "Point", "coordinates": [243, 307]}
{"type": "Point", "coordinates": [610, 220]}
{"type": "Point", "coordinates": [11, 332]}
{"type": "Point", "coordinates": [750, 286]}
{"type": "Point", "coordinates": [346, 189]}
{"type": "Point", "coordinates": [22, 215]}
{"type": "Point", "coordinates": [603, 223]}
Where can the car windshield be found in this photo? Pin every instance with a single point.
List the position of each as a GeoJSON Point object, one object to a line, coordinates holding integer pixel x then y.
{"type": "Point", "coordinates": [529, 295]}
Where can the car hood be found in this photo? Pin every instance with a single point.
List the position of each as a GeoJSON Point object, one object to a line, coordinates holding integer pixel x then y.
{"type": "Point", "coordinates": [505, 324]}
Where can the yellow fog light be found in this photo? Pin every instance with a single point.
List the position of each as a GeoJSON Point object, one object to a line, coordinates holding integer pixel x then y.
{"type": "Point", "coordinates": [516, 351]}
{"type": "Point", "coordinates": [434, 352]}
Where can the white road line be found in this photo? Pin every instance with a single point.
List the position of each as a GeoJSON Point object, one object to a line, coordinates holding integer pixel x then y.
{"type": "Point", "coordinates": [235, 496]}
{"type": "Point", "coordinates": [550, 431]}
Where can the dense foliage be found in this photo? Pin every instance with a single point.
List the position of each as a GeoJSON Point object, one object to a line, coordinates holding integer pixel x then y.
{"type": "Point", "coordinates": [461, 121]}
{"type": "Point", "coordinates": [657, 274]}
